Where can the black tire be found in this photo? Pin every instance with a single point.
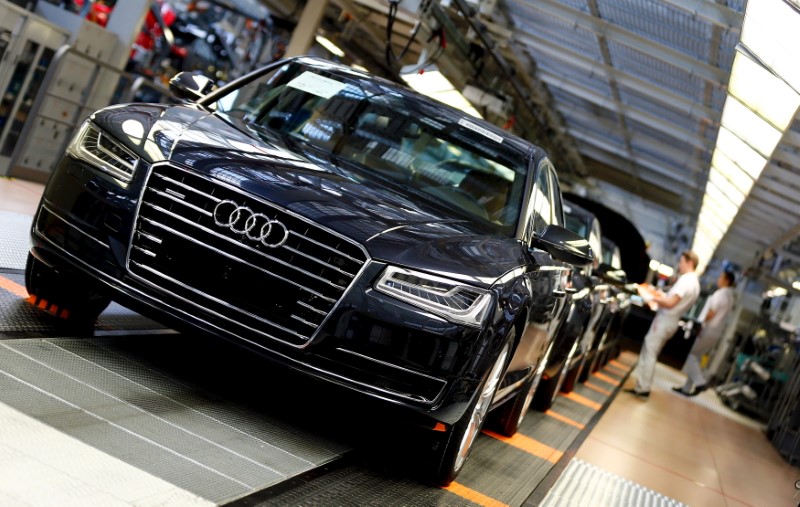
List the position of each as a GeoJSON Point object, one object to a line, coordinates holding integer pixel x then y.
{"type": "Point", "coordinates": [451, 451]}
{"type": "Point", "coordinates": [570, 379]}
{"type": "Point", "coordinates": [549, 388]}
{"type": "Point", "coordinates": [69, 296]}
{"type": "Point", "coordinates": [512, 413]}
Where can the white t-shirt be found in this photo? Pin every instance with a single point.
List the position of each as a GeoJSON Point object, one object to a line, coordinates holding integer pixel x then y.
{"type": "Point", "coordinates": [688, 288]}
{"type": "Point", "coordinates": [721, 302]}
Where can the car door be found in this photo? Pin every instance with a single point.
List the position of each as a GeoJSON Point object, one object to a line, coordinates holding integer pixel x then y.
{"type": "Point", "coordinates": [547, 278]}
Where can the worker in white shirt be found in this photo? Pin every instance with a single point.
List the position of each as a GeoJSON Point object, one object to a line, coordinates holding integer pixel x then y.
{"type": "Point", "coordinates": [671, 306]}
{"type": "Point", "coordinates": [714, 318]}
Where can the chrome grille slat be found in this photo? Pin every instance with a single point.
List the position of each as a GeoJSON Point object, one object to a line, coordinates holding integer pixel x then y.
{"type": "Point", "coordinates": [182, 202]}
{"type": "Point", "coordinates": [186, 187]}
{"type": "Point", "coordinates": [234, 258]}
{"type": "Point", "coordinates": [199, 293]}
{"type": "Point", "coordinates": [327, 265]}
{"type": "Point", "coordinates": [313, 309]}
{"type": "Point", "coordinates": [285, 264]}
{"type": "Point", "coordinates": [282, 290]}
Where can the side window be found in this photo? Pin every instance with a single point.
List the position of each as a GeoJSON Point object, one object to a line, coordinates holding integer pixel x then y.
{"type": "Point", "coordinates": [542, 199]}
{"type": "Point", "coordinates": [558, 208]}
{"type": "Point", "coordinates": [595, 242]}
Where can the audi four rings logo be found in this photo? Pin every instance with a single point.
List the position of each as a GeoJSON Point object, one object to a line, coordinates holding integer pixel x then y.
{"type": "Point", "coordinates": [256, 226]}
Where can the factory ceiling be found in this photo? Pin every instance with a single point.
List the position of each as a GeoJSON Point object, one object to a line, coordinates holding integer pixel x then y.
{"type": "Point", "coordinates": [626, 95]}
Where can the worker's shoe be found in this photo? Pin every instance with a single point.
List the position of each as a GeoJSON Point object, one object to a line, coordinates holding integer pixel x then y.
{"type": "Point", "coordinates": [679, 390]}
{"type": "Point", "coordinates": [698, 389]}
{"type": "Point", "coordinates": [640, 394]}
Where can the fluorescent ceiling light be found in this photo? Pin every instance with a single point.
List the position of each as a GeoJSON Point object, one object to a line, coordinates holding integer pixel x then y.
{"type": "Point", "coordinates": [728, 168]}
{"type": "Point", "coordinates": [728, 207]}
{"type": "Point", "coordinates": [432, 83]}
{"type": "Point", "coordinates": [726, 187]}
{"type": "Point", "coordinates": [330, 46]}
{"type": "Point", "coordinates": [772, 31]}
{"type": "Point", "coordinates": [737, 150]}
{"type": "Point", "coordinates": [712, 212]}
{"type": "Point", "coordinates": [654, 264]}
{"type": "Point", "coordinates": [750, 127]}
{"type": "Point", "coordinates": [767, 95]}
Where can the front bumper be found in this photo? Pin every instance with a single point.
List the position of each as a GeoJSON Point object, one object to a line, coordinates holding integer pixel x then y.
{"type": "Point", "coordinates": [370, 343]}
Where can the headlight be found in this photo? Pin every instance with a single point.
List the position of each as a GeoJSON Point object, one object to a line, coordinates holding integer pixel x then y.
{"type": "Point", "coordinates": [103, 152]}
{"type": "Point", "coordinates": [452, 300]}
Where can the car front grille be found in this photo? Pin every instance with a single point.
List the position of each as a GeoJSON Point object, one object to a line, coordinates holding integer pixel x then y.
{"type": "Point", "coordinates": [268, 272]}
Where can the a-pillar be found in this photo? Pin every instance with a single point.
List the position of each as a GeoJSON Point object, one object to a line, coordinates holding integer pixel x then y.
{"type": "Point", "coordinates": [306, 29]}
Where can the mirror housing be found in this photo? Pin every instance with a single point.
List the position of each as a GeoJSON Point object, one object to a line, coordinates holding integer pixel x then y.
{"type": "Point", "coordinates": [187, 86]}
{"type": "Point", "coordinates": [564, 246]}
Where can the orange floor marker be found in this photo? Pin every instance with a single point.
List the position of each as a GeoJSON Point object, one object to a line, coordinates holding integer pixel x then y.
{"type": "Point", "coordinates": [529, 445]}
{"type": "Point", "coordinates": [606, 378]}
{"type": "Point", "coordinates": [622, 366]}
{"type": "Point", "coordinates": [564, 419]}
{"type": "Point", "coordinates": [474, 496]}
{"type": "Point", "coordinates": [13, 287]}
{"type": "Point", "coordinates": [597, 389]}
{"type": "Point", "coordinates": [620, 369]}
{"type": "Point", "coordinates": [583, 400]}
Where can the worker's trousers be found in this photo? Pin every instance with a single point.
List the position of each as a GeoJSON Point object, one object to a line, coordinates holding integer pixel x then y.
{"type": "Point", "coordinates": [661, 330]}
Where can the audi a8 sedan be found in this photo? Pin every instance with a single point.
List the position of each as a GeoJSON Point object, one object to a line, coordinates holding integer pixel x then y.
{"type": "Point", "coordinates": [332, 221]}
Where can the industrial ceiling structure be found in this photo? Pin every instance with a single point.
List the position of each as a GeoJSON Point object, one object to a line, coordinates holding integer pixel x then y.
{"type": "Point", "coordinates": [628, 98]}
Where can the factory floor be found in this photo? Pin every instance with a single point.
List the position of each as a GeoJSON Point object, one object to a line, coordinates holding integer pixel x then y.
{"type": "Point", "coordinates": [693, 451]}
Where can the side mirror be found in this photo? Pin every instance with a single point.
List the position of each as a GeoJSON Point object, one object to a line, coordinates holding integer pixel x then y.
{"type": "Point", "coordinates": [609, 274]}
{"type": "Point", "coordinates": [191, 87]}
{"type": "Point", "coordinates": [565, 246]}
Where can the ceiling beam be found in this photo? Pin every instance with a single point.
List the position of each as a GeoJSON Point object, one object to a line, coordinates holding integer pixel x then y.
{"type": "Point", "coordinates": [679, 59]}
{"type": "Point", "coordinates": [561, 83]}
{"type": "Point", "coordinates": [605, 168]}
{"type": "Point", "coordinates": [641, 162]}
{"type": "Point", "coordinates": [711, 12]}
{"type": "Point", "coordinates": [649, 143]}
{"type": "Point", "coordinates": [649, 89]}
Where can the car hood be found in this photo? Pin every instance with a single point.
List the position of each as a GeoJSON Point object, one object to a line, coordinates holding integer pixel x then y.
{"type": "Point", "coordinates": [394, 223]}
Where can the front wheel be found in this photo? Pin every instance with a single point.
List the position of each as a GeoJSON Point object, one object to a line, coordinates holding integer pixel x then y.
{"type": "Point", "coordinates": [69, 296]}
{"type": "Point", "coordinates": [512, 413]}
{"type": "Point", "coordinates": [452, 451]}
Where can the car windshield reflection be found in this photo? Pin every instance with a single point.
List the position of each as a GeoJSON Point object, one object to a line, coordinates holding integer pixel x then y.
{"type": "Point", "coordinates": [450, 160]}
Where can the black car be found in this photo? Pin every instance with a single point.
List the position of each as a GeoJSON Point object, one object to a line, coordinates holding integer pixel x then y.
{"type": "Point", "coordinates": [332, 221]}
{"type": "Point", "coordinates": [584, 316]}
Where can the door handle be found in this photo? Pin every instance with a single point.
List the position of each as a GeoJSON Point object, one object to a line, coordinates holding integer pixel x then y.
{"type": "Point", "coordinates": [559, 293]}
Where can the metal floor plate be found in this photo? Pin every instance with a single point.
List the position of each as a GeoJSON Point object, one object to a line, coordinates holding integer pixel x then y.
{"type": "Point", "coordinates": [585, 485]}
{"type": "Point", "coordinates": [133, 399]}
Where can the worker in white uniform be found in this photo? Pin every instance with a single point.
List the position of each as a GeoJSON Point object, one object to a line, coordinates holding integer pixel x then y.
{"type": "Point", "coordinates": [671, 306]}
{"type": "Point", "coordinates": [714, 318]}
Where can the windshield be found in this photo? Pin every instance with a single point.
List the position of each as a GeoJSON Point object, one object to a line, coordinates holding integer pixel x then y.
{"type": "Point", "coordinates": [434, 153]}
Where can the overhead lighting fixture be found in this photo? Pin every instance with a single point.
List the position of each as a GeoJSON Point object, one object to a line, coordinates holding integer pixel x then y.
{"type": "Point", "coordinates": [433, 84]}
{"type": "Point", "coordinates": [771, 32]}
{"type": "Point", "coordinates": [749, 127]}
{"type": "Point", "coordinates": [748, 82]}
{"type": "Point", "coordinates": [763, 97]}
{"type": "Point", "coordinates": [330, 46]}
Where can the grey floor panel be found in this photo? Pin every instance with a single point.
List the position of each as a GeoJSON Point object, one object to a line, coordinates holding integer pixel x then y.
{"type": "Point", "coordinates": [156, 424]}
{"type": "Point", "coordinates": [116, 442]}
{"type": "Point", "coordinates": [127, 359]}
{"type": "Point", "coordinates": [15, 238]}
{"type": "Point", "coordinates": [189, 423]}
{"type": "Point", "coordinates": [548, 430]}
